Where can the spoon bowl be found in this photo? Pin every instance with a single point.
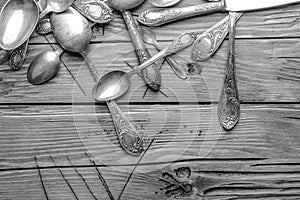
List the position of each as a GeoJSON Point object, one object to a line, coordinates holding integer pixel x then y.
{"type": "Point", "coordinates": [111, 86]}
{"type": "Point", "coordinates": [164, 3]}
{"type": "Point", "coordinates": [123, 5]}
{"type": "Point", "coordinates": [56, 6]}
{"type": "Point", "coordinates": [18, 19]}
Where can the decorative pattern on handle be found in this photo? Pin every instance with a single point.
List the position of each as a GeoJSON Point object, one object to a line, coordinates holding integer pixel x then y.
{"type": "Point", "coordinates": [229, 104]}
{"type": "Point", "coordinates": [43, 27]}
{"type": "Point", "coordinates": [129, 138]}
{"type": "Point", "coordinates": [18, 57]}
{"type": "Point", "coordinates": [94, 10]}
{"type": "Point", "coordinates": [183, 41]}
{"type": "Point", "coordinates": [156, 17]}
{"type": "Point", "coordinates": [151, 74]}
{"type": "Point", "coordinates": [207, 44]}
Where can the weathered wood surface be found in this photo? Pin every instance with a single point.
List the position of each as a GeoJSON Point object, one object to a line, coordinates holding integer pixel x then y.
{"type": "Point", "coordinates": [267, 71]}
{"type": "Point", "coordinates": [264, 131]}
{"type": "Point", "coordinates": [40, 127]}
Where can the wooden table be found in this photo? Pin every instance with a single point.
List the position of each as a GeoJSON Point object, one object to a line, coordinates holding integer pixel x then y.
{"type": "Point", "coordinates": [56, 143]}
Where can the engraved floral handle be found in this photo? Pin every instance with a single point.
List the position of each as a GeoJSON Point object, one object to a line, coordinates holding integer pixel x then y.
{"type": "Point", "coordinates": [151, 75]}
{"type": "Point", "coordinates": [181, 42]}
{"type": "Point", "coordinates": [157, 17]}
{"type": "Point", "coordinates": [208, 42]}
{"type": "Point", "coordinates": [130, 139]}
{"type": "Point", "coordinates": [229, 104]}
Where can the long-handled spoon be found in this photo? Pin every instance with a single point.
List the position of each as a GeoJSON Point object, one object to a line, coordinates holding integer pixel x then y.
{"type": "Point", "coordinates": [164, 3]}
{"type": "Point", "coordinates": [115, 83]}
{"type": "Point", "coordinates": [229, 104]}
{"type": "Point", "coordinates": [56, 6]}
{"type": "Point", "coordinates": [209, 42]}
{"type": "Point", "coordinates": [151, 75]}
{"type": "Point", "coordinates": [150, 38]}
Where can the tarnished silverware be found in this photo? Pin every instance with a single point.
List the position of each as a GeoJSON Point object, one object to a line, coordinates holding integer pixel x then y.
{"type": "Point", "coordinates": [18, 56]}
{"type": "Point", "coordinates": [229, 104]}
{"type": "Point", "coordinates": [44, 67]}
{"type": "Point", "coordinates": [18, 19]}
{"type": "Point", "coordinates": [209, 42]}
{"type": "Point", "coordinates": [151, 75]}
{"type": "Point", "coordinates": [149, 37]}
{"type": "Point", "coordinates": [95, 10]}
{"type": "Point", "coordinates": [115, 83]}
{"type": "Point", "coordinates": [156, 17]}
{"type": "Point", "coordinates": [76, 39]}
{"type": "Point", "coordinates": [56, 6]}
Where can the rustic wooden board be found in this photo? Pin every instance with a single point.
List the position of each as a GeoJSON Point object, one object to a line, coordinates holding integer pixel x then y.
{"type": "Point", "coordinates": [248, 179]}
{"type": "Point", "coordinates": [190, 131]}
{"type": "Point", "coordinates": [267, 71]}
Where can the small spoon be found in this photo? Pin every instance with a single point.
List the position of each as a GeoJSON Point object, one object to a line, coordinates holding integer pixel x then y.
{"type": "Point", "coordinates": [164, 3]}
{"type": "Point", "coordinates": [115, 83]}
{"type": "Point", "coordinates": [18, 56]}
{"type": "Point", "coordinates": [150, 38]}
{"type": "Point", "coordinates": [56, 6]}
{"type": "Point", "coordinates": [18, 19]}
{"type": "Point", "coordinates": [229, 104]}
{"type": "Point", "coordinates": [209, 42]}
{"type": "Point", "coordinates": [44, 67]}
{"type": "Point", "coordinates": [95, 10]}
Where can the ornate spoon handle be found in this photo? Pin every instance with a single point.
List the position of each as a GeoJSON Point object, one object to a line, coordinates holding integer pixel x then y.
{"type": "Point", "coordinates": [156, 17]}
{"type": "Point", "coordinates": [208, 42]}
{"type": "Point", "coordinates": [130, 140]}
{"type": "Point", "coordinates": [151, 75]}
{"type": "Point", "coordinates": [18, 56]}
{"type": "Point", "coordinates": [229, 104]}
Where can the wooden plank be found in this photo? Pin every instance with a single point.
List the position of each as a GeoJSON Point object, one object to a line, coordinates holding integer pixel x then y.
{"type": "Point", "coordinates": [271, 23]}
{"type": "Point", "coordinates": [267, 70]}
{"type": "Point", "coordinates": [201, 179]}
{"type": "Point", "coordinates": [181, 131]}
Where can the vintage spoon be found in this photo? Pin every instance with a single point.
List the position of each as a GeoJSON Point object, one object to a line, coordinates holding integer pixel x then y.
{"type": "Point", "coordinates": [95, 10]}
{"type": "Point", "coordinates": [18, 56]}
{"type": "Point", "coordinates": [115, 83]}
{"type": "Point", "coordinates": [56, 6]}
{"type": "Point", "coordinates": [44, 67]}
{"type": "Point", "coordinates": [229, 104]}
{"type": "Point", "coordinates": [150, 38]}
{"type": "Point", "coordinates": [164, 3]}
{"type": "Point", "coordinates": [209, 42]}
{"type": "Point", "coordinates": [151, 75]}
{"type": "Point", "coordinates": [18, 19]}
{"type": "Point", "coordinates": [76, 39]}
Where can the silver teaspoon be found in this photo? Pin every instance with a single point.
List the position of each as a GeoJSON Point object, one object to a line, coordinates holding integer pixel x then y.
{"type": "Point", "coordinates": [209, 42]}
{"type": "Point", "coordinates": [150, 38]}
{"type": "Point", "coordinates": [229, 104]}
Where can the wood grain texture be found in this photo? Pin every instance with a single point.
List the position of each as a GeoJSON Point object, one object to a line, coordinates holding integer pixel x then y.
{"type": "Point", "coordinates": [249, 179]}
{"type": "Point", "coordinates": [190, 131]}
{"type": "Point", "coordinates": [267, 71]}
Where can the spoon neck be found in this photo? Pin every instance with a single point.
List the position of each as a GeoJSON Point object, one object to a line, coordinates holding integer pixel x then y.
{"type": "Point", "coordinates": [92, 67]}
{"type": "Point", "coordinates": [44, 13]}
